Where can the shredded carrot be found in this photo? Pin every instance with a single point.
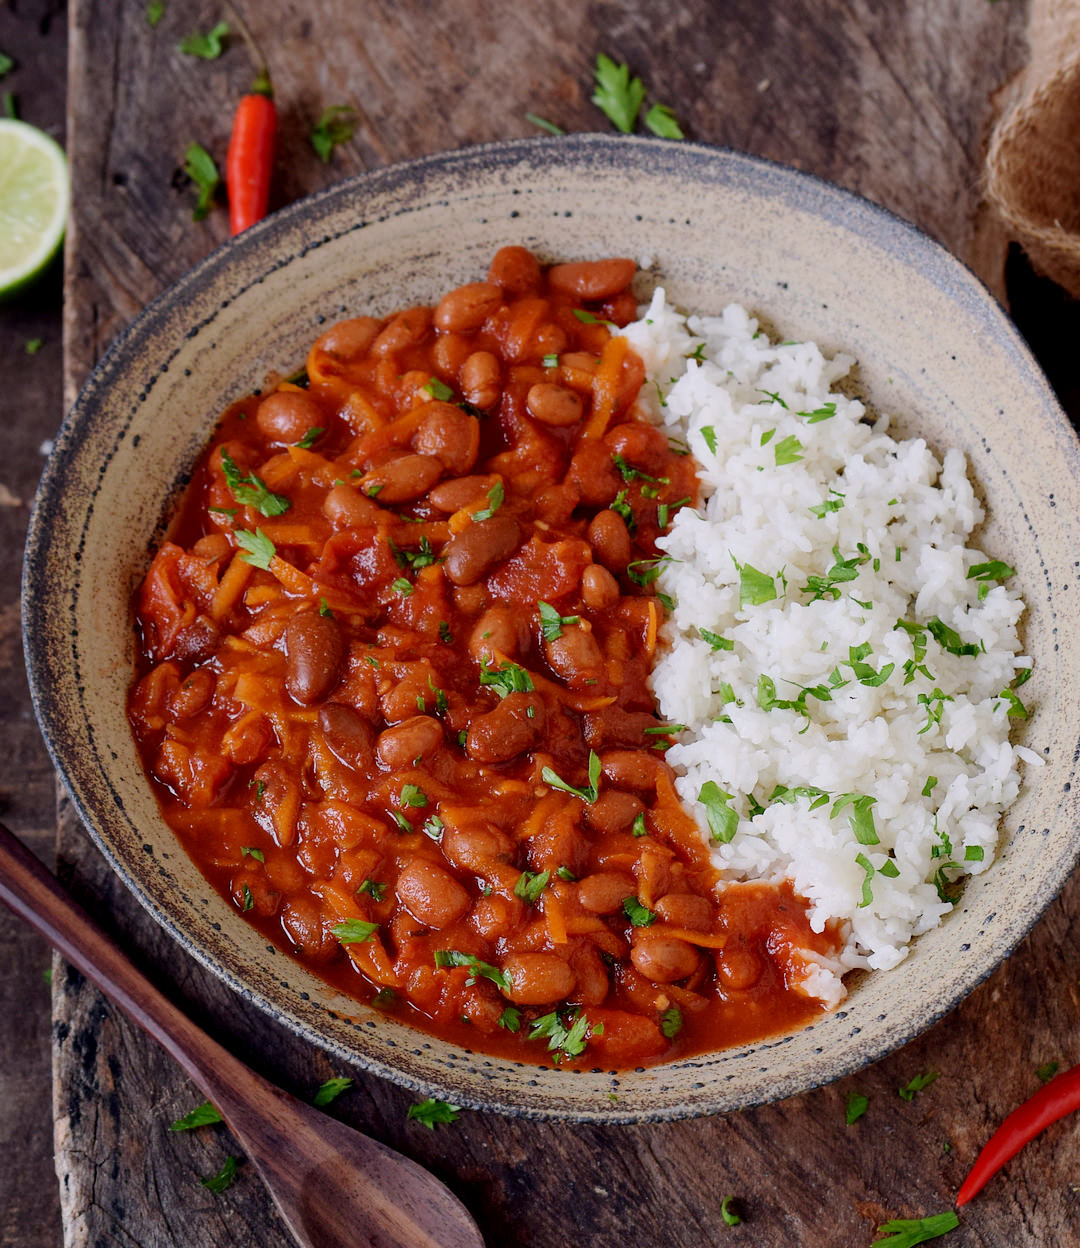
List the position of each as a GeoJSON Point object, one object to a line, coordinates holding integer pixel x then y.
{"type": "Point", "coordinates": [583, 926]}
{"type": "Point", "coordinates": [371, 959]}
{"type": "Point", "coordinates": [707, 940]}
{"type": "Point", "coordinates": [284, 533]}
{"type": "Point", "coordinates": [539, 815]}
{"type": "Point", "coordinates": [650, 629]}
{"type": "Point", "coordinates": [410, 534]}
{"type": "Point", "coordinates": [606, 387]}
{"type": "Point", "coordinates": [284, 815]}
{"type": "Point", "coordinates": [230, 587]}
{"type": "Point", "coordinates": [556, 920]}
{"type": "Point", "coordinates": [260, 595]}
{"type": "Point", "coordinates": [389, 436]}
{"type": "Point", "coordinates": [291, 387]}
{"type": "Point", "coordinates": [295, 581]}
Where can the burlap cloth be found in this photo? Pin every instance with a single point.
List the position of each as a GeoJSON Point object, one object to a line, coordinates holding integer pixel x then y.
{"type": "Point", "coordinates": [1033, 163]}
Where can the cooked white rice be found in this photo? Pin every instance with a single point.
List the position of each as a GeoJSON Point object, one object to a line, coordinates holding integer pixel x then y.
{"type": "Point", "coordinates": [796, 484]}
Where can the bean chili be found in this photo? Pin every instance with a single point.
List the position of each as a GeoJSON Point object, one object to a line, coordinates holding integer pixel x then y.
{"type": "Point", "coordinates": [393, 689]}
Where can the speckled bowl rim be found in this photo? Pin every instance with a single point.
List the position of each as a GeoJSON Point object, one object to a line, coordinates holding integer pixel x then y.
{"type": "Point", "coordinates": [860, 215]}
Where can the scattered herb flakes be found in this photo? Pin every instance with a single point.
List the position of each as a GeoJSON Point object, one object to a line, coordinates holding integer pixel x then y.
{"type": "Point", "coordinates": [155, 12]}
{"type": "Point", "coordinates": [6, 64]}
{"type": "Point", "coordinates": [639, 915]}
{"type": "Point", "coordinates": [715, 641]}
{"type": "Point", "coordinates": [731, 1218]}
{"type": "Point", "coordinates": [1017, 710]}
{"type": "Point", "coordinates": [974, 853]}
{"type": "Point", "coordinates": [204, 1115]}
{"type": "Point", "coordinates": [331, 1090]}
{"type": "Point", "coordinates": [563, 1040]}
{"type": "Point", "coordinates": [310, 438]}
{"type": "Point", "coordinates": [530, 885]}
{"type": "Point", "coordinates": [374, 889]}
{"type": "Point", "coordinates": [257, 548]}
{"type": "Point", "coordinates": [948, 639]}
{"type": "Point", "coordinates": [430, 1113]}
{"type": "Point", "coordinates": [723, 821]}
{"type": "Point", "coordinates": [200, 168]}
{"type": "Point", "coordinates": [33, 345]}
{"type": "Point", "coordinates": [618, 96]}
{"type": "Point", "coordinates": [1022, 677]}
{"type": "Point", "coordinates": [638, 827]}
{"type": "Point", "coordinates": [787, 451]}
{"type": "Point", "coordinates": [249, 901]}
{"type": "Point", "coordinates": [671, 1022]}
{"type": "Point", "coordinates": [510, 1019]}
{"type": "Point", "coordinates": [438, 389]}
{"type": "Point", "coordinates": [911, 1090]}
{"type": "Point", "coordinates": [9, 110]}
{"type": "Point", "coordinates": [564, 873]}
{"type": "Point", "coordinates": [907, 1232]}
{"type": "Point", "coordinates": [413, 795]}
{"type": "Point", "coordinates": [1047, 1071]}
{"type": "Point", "coordinates": [454, 957]}
{"type": "Point", "coordinates": [445, 635]}
{"type": "Point", "coordinates": [857, 1105]}
{"type": "Point", "coordinates": [544, 124]}
{"type": "Point", "coordinates": [217, 1183]}
{"type": "Point", "coordinates": [588, 794]}
{"type": "Point", "coordinates": [403, 586]}
{"type": "Point", "coordinates": [708, 433]}
{"type": "Point", "coordinates": [861, 818]}
{"type": "Point", "coordinates": [552, 623]}
{"type": "Point", "coordinates": [206, 47]}
{"type": "Point", "coordinates": [660, 119]}
{"type": "Point", "coordinates": [868, 877]}
{"type": "Point", "coordinates": [929, 786]}
{"type": "Point", "coordinates": [433, 827]}
{"type": "Point", "coordinates": [830, 504]}
{"type": "Point", "coordinates": [995, 570]}
{"type": "Point", "coordinates": [551, 360]}
{"type": "Point", "coordinates": [826, 412]}
{"type": "Point", "coordinates": [354, 931]}
{"type": "Point", "coordinates": [334, 127]}
{"type": "Point", "coordinates": [250, 490]}
{"type": "Point", "coordinates": [842, 571]}
{"type": "Point", "coordinates": [507, 678]}
{"type": "Point", "coordinates": [496, 497]}
{"type": "Point", "coordinates": [754, 587]}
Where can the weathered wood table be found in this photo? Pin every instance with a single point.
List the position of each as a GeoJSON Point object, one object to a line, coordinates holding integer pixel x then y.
{"type": "Point", "coordinates": [891, 100]}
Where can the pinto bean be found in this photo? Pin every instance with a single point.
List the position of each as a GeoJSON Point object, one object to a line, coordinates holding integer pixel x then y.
{"type": "Point", "coordinates": [194, 694]}
{"type": "Point", "coordinates": [481, 377]}
{"type": "Point", "coordinates": [453, 495]}
{"type": "Point", "coordinates": [592, 472]}
{"type": "Point", "coordinates": [642, 446]}
{"type": "Point", "coordinates": [476, 848]}
{"type": "Point", "coordinates": [662, 958]}
{"type": "Point", "coordinates": [599, 588]}
{"type": "Point", "coordinates": [538, 978]}
{"type": "Point", "coordinates": [404, 743]}
{"type": "Point", "coordinates": [302, 919]}
{"type": "Point", "coordinates": [516, 270]}
{"type": "Point", "coordinates": [613, 811]}
{"type": "Point", "coordinates": [450, 353]}
{"type": "Point", "coordinates": [605, 892]}
{"type": "Point", "coordinates": [348, 736]}
{"type": "Point", "coordinates": [740, 968]}
{"type": "Point", "coordinates": [553, 405]}
{"type": "Point", "coordinates": [404, 330]}
{"type": "Point", "coordinates": [574, 656]}
{"type": "Point", "coordinates": [431, 894]}
{"type": "Point", "coordinates": [314, 653]}
{"type": "Point", "coordinates": [467, 307]}
{"type": "Point", "coordinates": [494, 916]}
{"type": "Point", "coordinates": [349, 340]}
{"type": "Point", "coordinates": [593, 983]}
{"type": "Point", "coordinates": [403, 479]}
{"type": "Point", "coordinates": [473, 552]}
{"type": "Point", "coordinates": [346, 508]}
{"type": "Point", "coordinates": [687, 910]}
{"type": "Point", "coordinates": [592, 279]}
{"type": "Point", "coordinates": [499, 629]}
{"type": "Point", "coordinates": [449, 435]}
{"type": "Point", "coordinates": [286, 415]}
{"type": "Point", "coordinates": [511, 728]}
{"type": "Point", "coordinates": [610, 539]}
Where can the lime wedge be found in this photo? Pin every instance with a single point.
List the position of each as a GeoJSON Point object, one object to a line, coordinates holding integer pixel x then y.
{"type": "Point", "coordinates": [34, 199]}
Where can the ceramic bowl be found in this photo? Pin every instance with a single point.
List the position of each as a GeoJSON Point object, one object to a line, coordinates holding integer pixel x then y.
{"type": "Point", "coordinates": [713, 227]}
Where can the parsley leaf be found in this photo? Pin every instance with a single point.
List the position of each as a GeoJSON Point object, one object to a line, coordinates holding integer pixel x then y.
{"type": "Point", "coordinates": [430, 1112]}
{"type": "Point", "coordinates": [708, 433]}
{"type": "Point", "coordinates": [219, 1182]}
{"type": "Point", "coordinates": [413, 795]}
{"type": "Point", "coordinates": [496, 496]}
{"type": "Point", "coordinates": [154, 12]}
{"type": "Point", "coordinates": [206, 47]}
{"type": "Point", "coordinates": [530, 885]}
{"type": "Point", "coordinates": [909, 1091]}
{"type": "Point", "coordinates": [949, 639]}
{"type": "Point", "coordinates": [826, 412]}
{"type": "Point", "coordinates": [907, 1232]}
{"type": "Point", "coordinates": [403, 586]}
{"type": "Point", "coordinates": [830, 504]}
{"type": "Point", "coordinates": [715, 640]}
{"type": "Point", "coordinates": [248, 852]}
{"type": "Point", "coordinates": [551, 622]}
{"type": "Point", "coordinates": [671, 1022]}
{"type": "Point", "coordinates": [995, 570]}
{"type": "Point", "coordinates": [509, 678]}
{"type": "Point", "coordinates": [868, 876]}
{"type": "Point", "coordinates": [6, 64]}
{"type": "Point", "coordinates": [723, 821]}
{"type": "Point", "coordinates": [754, 587]}
{"type": "Point", "coordinates": [1017, 710]}
{"type": "Point", "coordinates": [250, 491]}
{"type": "Point", "coordinates": [334, 127]}
{"type": "Point", "coordinates": [33, 345]}
{"type": "Point", "coordinates": [639, 915]}
{"type": "Point", "coordinates": [373, 888]}
{"type": "Point", "coordinates": [309, 439]}
{"type": "Point", "coordinates": [861, 817]}
{"type": "Point", "coordinates": [731, 1218]}
{"type": "Point", "coordinates": [510, 1019]}
{"type": "Point", "coordinates": [331, 1090]}
{"type": "Point", "coordinates": [787, 451]}
{"type": "Point", "coordinates": [454, 957]}
{"type": "Point", "coordinates": [438, 389]}
{"type": "Point", "coordinates": [258, 548]}
{"type": "Point", "coordinates": [200, 168]}
{"type": "Point", "coordinates": [203, 1115]}
{"type": "Point", "coordinates": [660, 119]}
{"type": "Point", "coordinates": [354, 931]}
{"type": "Point", "coordinates": [1046, 1071]}
{"type": "Point", "coordinates": [562, 1040]}
{"type": "Point", "coordinates": [589, 794]}
{"type": "Point", "coordinates": [617, 95]}
{"type": "Point", "coordinates": [857, 1105]}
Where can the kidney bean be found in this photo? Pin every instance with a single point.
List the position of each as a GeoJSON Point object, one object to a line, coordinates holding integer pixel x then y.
{"type": "Point", "coordinates": [740, 968]}
{"type": "Point", "coordinates": [450, 436]}
{"type": "Point", "coordinates": [450, 353]}
{"type": "Point", "coordinates": [499, 629]}
{"type": "Point", "coordinates": [631, 769]}
{"type": "Point", "coordinates": [592, 472]}
{"type": "Point", "coordinates": [473, 552]}
{"type": "Point", "coordinates": [553, 405]}
{"type": "Point", "coordinates": [346, 508]}
{"type": "Point", "coordinates": [686, 910]}
{"type": "Point", "coordinates": [592, 279]}
{"type": "Point", "coordinates": [538, 978]}
{"type": "Point", "coordinates": [613, 811]}
{"type": "Point", "coordinates": [467, 307]}
{"type": "Point", "coordinates": [642, 446]}
{"type": "Point", "coordinates": [194, 694]}
{"type": "Point", "coordinates": [476, 848]}
{"type": "Point", "coordinates": [431, 894]}
{"type": "Point", "coordinates": [453, 495]}
{"type": "Point", "coordinates": [612, 725]}
{"type": "Point", "coordinates": [574, 656]}
{"type": "Point", "coordinates": [480, 379]}
{"type": "Point", "coordinates": [405, 743]}
{"type": "Point", "coordinates": [599, 588]}
{"type": "Point", "coordinates": [302, 919]}
{"type": "Point", "coordinates": [402, 479]}
{"type": "Point", "coordinates": [516, 270]}
{"type": "Point", "coordinates": [348, 736]}
{"type": "Point", "coordinates": [404, 330]}
{"type": "Point", "coordinates": [662, 958]}
{"type": "Point", "coordinates": [511, 728]}
{"type": "Point", "coordinates": [605, 892]}
{"type": "Point", "coordinates": [286, 415]}
{"type": "Point", "coordinates": [247, 741]}
{"type": "Point", "coordinates": [610, 539]}
{"type": "Point", "coordinates": [496, 915]}
{"type": "Point", "coordinates": [551, 339]}
{"type": "Point", "coordinates": [314, 653]}
{"type": "Point", "coordinates": [349, 340]}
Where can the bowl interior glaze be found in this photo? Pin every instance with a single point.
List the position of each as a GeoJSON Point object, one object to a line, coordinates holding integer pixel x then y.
{"type": "Point", "coordinates": [713, 227]}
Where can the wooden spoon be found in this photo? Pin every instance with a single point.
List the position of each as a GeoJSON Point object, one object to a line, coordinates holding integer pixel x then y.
{"type": "Point", "coordinates": [334, 1187]}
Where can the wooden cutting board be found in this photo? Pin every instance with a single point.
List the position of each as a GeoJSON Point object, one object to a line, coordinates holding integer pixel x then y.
{"type": "Point", "coordinates": [890, 100]}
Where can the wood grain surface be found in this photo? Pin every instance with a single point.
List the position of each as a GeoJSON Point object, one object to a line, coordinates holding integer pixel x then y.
{"type": "Point", "coordinates": [892, 100]}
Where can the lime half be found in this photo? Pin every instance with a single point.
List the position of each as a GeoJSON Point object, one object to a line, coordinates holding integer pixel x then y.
{"type": "Point", "coordinates": [34, 199]}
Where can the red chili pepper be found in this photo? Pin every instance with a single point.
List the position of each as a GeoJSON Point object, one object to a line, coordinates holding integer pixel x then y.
{"type": "Point", "coordinates": [1053, 1101]}
{"type": "Point", "coordinates": [250, 161]}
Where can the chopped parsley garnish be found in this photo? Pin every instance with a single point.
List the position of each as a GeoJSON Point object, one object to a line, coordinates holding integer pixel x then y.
{"type": "Point", "coordinates": [731, 1218]}
{"type": "Point", "coordinates": [830, 504]}
{"type": "Point", "coordinates": [200, 168]}
{"type": "Point", "coordinates": [384, 999]}
{"type": "Point", "coordinates": [1017, 710]}
{"type": "Point", "coordinates": [544, 124]}
{"type": "Point", "coordinates": [911, 1090]}
{"type": "Point", "coordinates": [842, 571]}
{"type": "Point", "coordinates": [715, 640]}
{"type": "Point", "coordinates": [33, 345]}
{"type": "Point", "coordinates": [310, 438]}
{"type": "Point", "coordinates": [861, 818]}
{"type": "Point", "coordinates": [154, 13]}
{"type": "Point", "coordinates": [510, 1019]}
{"type": "Point", "coordinates": [217, 1183]}
{"type": "Point", "coordinates": [709, 434]}
{"type": "Point", "coordinates": [496, 495]}
{"type": "Point", "coordinates": [787, 451]}
{"type": "Point", "coordinates": [815, 796]}
{"type": "Point", "coordinates": [331, 1090]}
{"type": "Point", "coordinates": [564, 873]}
{"type": "Point", "coordinates": [618, 96]}
{"type": "Point", "coordinates": [445, 635]}
{"type": "Point", "coordinates": [433, 827]}
{"type": "Point", "coordinates": [660, 119]}
{"type": "Point", "coordinates": [622, 508]}
{"type": "Point", "coordinates": [723, 821]}
{"type": "Point", "coordinates": [563, 1040]}
{"type": "Point", "coordinates": [638, 828]}
{"type": "Point", "coordinates": [354, 931]}
{"type": "Point", "coordinates": [995, 570]}
{"type": "Point", "coordinates": [826, 412]}
{"type": "Point", "coordinates": [868, 876]}
{"type": "Point", "coordinates": [249, 852]}
{"type": "Point", "coordinates": [551, 360]}
{"type": "Point", "coordinates": [250, 491]}
{"type": "Point", "coordinates": [552, 623]}
{"type": "Point", "coordinates": [664, 510]}
{"type": "Point", "coordinates": [430, 1112]}
{"type": "Point", "coordinates": [857, 1105]}
{"type": "Point", "coordinates": [934, 702]}
{"type": "Point", "coordinates": [1046, 1071]}
{"type": "Point", "coordinates": [639, 915]}
{"type": "Point", "coordinates": [324, 609]}
{"type": "Point", "coordinates": [206, 47]}
{"type": "Point", "coordinates": [334, 127]}
{"type": "Point", "coordinates": [948, 639]}
{"type": "Point", "coordinates": [907, 1232]}
{"type": "Point", "coordinates": [671, 1022]}
{"type": "Point", "coordinates": [773, 397]}
{"type": "Point", "coordinates": [866, 673]}
{"type": "Point", "coordinates": [249, 901]}
{"type": "Point", "coordinates": [589, 794]}
{"type": "Point", "coordinates": [422, 558]}
{"type": "Point", "coordinates": [258, 548]}
{"type": "Point", "coordinates": [974, 853]}
{"type": "Point", "coordinates": [403, 586]}
{"type": "Point", "coordinates": [438, 389]}
{"type": "Point", "coordinates": [629, 473]}
{"type": "Point", "coordinates": [1023, 676]}
{"type": "Point", "coordinates": [590, 318]}
{"type": "Point", "coordinates": [754, 587]}
{"type": "Point", "coordinates": [413, 795]}
{"type": "Point", "coordinates": [204, 1115]}
{"type": "Point", "coordinates": [509, 678]}
{"type": "Point", "coordinates": [530, 885]}
{"type": "Point", "coordinates": [477, 968]}
{"type": "Point", "coordinates": [929, 786]}
{"type": "Point", "coordinates": [373, 888]}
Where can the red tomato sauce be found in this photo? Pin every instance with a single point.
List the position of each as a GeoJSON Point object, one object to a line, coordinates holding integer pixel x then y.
{"type": "Point", "coordinates": [393, 687]}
